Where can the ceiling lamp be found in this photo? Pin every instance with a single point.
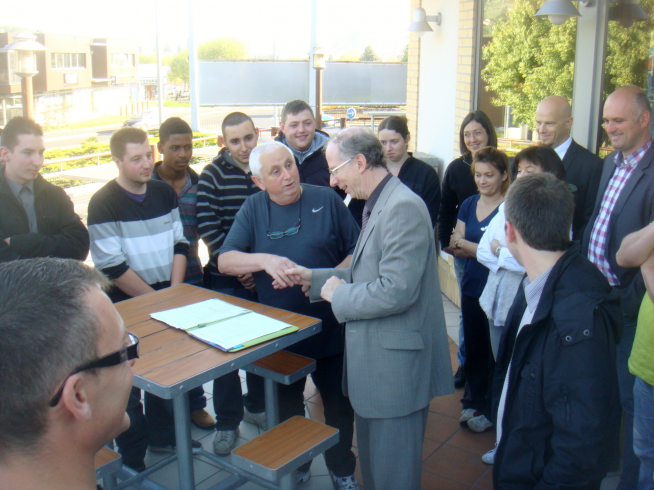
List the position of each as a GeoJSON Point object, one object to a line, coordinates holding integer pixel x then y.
{"type": "Point", "coordinates": [421, 20]}
{"type": "Point", "coordinates": [558, 11]}
{"type": "Point", "coordinates": [626, 12]}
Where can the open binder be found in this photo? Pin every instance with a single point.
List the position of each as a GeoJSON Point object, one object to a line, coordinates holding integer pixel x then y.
{"type": "Point", "coordinates": [225, 326]}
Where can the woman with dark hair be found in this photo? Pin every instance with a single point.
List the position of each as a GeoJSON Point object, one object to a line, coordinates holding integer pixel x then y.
{"type": "Point", "coordinates": [417, 175]}
{"type": "Point", "coordinates": [490, 168]}
{"type": "Point", "coordinates": [476, 132]}
{"type": "Point", "coordinates": [505, 273]}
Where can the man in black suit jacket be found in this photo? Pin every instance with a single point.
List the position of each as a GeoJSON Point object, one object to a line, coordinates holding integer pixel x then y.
{"type": "Point", "coordinates": [625, 204]}
{"type": "Point", "coordinates": [583, 168]}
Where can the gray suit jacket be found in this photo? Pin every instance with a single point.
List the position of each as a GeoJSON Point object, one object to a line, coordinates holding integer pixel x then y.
{"type": "Point", "coordinates": [395, 338]}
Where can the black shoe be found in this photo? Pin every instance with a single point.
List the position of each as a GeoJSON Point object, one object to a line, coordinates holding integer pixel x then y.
{"type": "Point", "coordinates": [460, 378]}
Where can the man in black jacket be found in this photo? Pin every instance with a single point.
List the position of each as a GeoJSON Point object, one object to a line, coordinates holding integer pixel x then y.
{"type": "Point", "coordinates": [37, 218]}
{"type": "Point", "coordinates": [298, 132]}
{"type": "Point", "coordinates": [555, 387]}
{"type": "Point", "coordinates": [583, 169]}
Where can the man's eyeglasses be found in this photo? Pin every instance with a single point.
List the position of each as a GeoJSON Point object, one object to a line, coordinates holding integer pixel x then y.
{"type": "Point", "coordinates": [333, 171]}
{"type": "Point", "coordinates": [125, 354]}
{"type": "Point", "coordinates": [276, 235]}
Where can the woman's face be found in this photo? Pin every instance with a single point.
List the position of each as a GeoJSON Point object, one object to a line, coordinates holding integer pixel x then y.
{"type": "Point", "coordinates": [525, 167]}
{"type": "Point", "coordinates": [475, 137]}
{"type": "Point", "coordinates": [488, 179]}
{"type": "Point", "coordinates": [394, 144]}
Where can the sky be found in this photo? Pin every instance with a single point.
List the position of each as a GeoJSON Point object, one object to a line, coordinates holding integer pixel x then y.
{"type": "Point", "coordinates": [263, 25]}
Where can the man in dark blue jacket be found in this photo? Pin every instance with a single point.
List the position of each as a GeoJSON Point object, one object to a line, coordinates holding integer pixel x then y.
{"type": "Point", "coordinates": [555, 387]}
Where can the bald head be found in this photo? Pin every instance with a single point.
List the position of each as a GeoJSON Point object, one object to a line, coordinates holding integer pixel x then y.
{"type": "Point", "coordinates": [626, 119]}
{"type": "Point", "coordinates": [553, 120]}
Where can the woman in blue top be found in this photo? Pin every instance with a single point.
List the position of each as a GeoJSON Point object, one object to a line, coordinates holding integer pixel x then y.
{"type": "Point", "coordinates": [490, 168]}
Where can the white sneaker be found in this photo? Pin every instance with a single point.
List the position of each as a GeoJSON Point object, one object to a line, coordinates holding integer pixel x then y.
{"type": "Point", "coordinates": [258, 419]}
{"type": "Point", "coordinates": [467, 414]}
{"type": "Point", "coordinates": [303, 476]}
{"type": "Point", "coordinates": [224, 441]}
{"type": "Point", "coordinates": [480, 424]}
{"type": "Point", "coordinates": [345, 482]}
{"type": "Point", "coordinates": [489, 457]}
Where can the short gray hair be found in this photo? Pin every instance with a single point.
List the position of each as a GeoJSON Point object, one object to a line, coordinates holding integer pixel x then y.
{"type": "Point", "coordinates": [359, 141]}
{"type": "Point", "coordinates": [47, 330]}
{"type": "Point", "coordinates": [265, 149]}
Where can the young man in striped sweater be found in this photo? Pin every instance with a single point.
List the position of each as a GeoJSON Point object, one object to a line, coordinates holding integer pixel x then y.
{"type": "Point", "coordinates": [223, 187]}
{"type": "Point", "coordinates": [137, 240]}
{"type": "Point", "coordinates": [176, 149]}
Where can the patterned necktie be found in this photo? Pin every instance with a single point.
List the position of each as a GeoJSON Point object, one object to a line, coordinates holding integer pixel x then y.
{"type": "Point", "coordinates": [364, 218]}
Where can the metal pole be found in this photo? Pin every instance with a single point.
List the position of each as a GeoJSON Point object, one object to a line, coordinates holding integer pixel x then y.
{"type": "Point", "coordinates": [271, 397]}
{"type": "Point", "coordinates": [319, 99]}
{"type": "Point", "coordinates": [4, 111]}
{"type": "Point", "coordinates": [28, 97]}
{"type": "Point", "coordinates": [193, 72]}
{"type": "Point", "coordinates": [311, 93]}
{"type": "Point", "coordinates": [159, 81]}
{"type": "Point", "coordinates": [182, 416]}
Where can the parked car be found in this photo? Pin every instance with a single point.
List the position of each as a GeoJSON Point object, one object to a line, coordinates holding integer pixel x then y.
{"type": "Point", "coordinates": [145, 120]}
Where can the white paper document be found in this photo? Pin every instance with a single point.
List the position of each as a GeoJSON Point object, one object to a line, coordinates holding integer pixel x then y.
{"type": "Point", "coordinates": [199, 314]}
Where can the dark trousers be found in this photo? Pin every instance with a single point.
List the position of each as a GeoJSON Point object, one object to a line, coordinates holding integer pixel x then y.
{"type": "Point", "coordinates": [328, 378]}
{"type": "Point", "coordinates": [477, 364]}
{"type": "Point", "coordinates": [228, 399]}
{"type": "Point", "coordinates": [133, 443]}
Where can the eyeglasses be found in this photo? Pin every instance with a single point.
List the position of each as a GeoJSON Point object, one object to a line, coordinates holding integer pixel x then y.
{"type": "Point", "coordinates": [125, 354]}
{"type": "Point", "coordinates": [333, 171]}
{"type": "Point", "coordinates": [276, 235]}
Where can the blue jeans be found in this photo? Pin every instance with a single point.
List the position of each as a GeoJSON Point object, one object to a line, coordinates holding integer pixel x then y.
{"type": "Point", "coordinates": [228, 399]}
{"type": "Point", "coordinates": [644, 432]}
{"type": "Point", "coordinates": [626, 380]}
{"type": "Point", "coordinates": [459, 264]}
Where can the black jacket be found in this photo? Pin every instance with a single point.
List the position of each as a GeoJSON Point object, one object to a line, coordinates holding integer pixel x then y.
{"type": "Point", "coordinates": [583, 169]}
{"type": "Point", "coordinates": [562, 412]}
{"type": "Point", "coordinates": [61, 233]}
{"type": "Point", "coordinates": [418, 176]}
{"type": "Point", "coordinates": [633, 210]}
{"type": "Point", "coordinates": [458, 185]}
{"type": "Point", "coordinates": [314, 169]}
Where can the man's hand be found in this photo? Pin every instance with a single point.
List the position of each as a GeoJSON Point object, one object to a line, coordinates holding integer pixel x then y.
{"type": "Point", "coordinates": [300, 275]}
{"type": "Point", "coordinates": [276, 267]}
{"type": "Point", "coordinates": [327, 291]}
{"type": "Point", "coordinates": [448, 250]}
{"type": "Point", "coordinates": [247, 281]}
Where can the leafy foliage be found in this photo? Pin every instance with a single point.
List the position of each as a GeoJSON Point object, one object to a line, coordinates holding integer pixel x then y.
{"type": "Point", "coordinates": [147, 58]}
{"type": "Point", "coordinates": [223, 48]}
{"type": "Point", "coordinates": [404, 57]}
{"type": "Point", "coordinates": [369, 55]}
{"type": "Point", "coordinates": [179, 71]}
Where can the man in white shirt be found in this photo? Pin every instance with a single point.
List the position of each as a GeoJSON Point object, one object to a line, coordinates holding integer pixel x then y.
{"type": "Point", "coordinates": [555, 388]}
{"type": "Point", "coordinates": [583, 168]}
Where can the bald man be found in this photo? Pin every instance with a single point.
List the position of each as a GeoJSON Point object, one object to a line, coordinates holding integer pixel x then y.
{"type": "Point", "coordinates": [583, 169]}
{"type": "Point", "coordinates": [625, 204]}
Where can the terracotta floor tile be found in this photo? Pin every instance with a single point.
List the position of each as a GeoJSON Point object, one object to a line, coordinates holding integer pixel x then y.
{"type": "Point", "coordinates": [428, 448]}
{"type": "Point", "coordinates": [486, 481]}
{"type": "Point", "coordinates": [470, 441]}
{"type": "Point", "coordinates": [435, 482]}
{"type": "Point", "coordinates": [456, 464]}
{"type": "Point", "coordinates": [440, 427]}
{"type": "Point", "coordinates": [449, 405]}
{"type": "Point", "coordinates": [453, 347]}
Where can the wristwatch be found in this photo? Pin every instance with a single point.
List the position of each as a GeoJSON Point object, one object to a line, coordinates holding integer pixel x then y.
{"type": "Point", "coordinates": [497, 250]}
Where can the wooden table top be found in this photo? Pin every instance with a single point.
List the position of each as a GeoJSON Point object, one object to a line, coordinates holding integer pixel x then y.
{"type": "Point", "coordinates": [171, 361]}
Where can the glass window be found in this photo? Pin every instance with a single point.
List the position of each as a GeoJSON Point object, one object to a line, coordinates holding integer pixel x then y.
{"type": "Point", "coordinates": [81, 60]}
{"type": "Point", "coordinates": [67, 61]}
{"type": "Point", "coordinates": [60, 60]}
{"type": "Point", "coordinates": [524, 59]}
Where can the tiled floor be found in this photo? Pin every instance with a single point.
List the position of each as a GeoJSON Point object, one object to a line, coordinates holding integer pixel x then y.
{"type": "Point", "coordinates": [451, 454]}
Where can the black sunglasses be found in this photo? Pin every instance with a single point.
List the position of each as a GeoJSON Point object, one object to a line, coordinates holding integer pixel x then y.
{"type": "Point", "coordinates": [125, 354]}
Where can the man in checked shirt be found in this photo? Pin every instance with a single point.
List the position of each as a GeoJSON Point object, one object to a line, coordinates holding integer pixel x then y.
{"type": "Point", "coordinates": [626, 205]}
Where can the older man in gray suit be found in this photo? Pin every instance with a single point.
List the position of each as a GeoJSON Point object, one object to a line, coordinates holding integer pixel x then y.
{"type": "Point", "coordinates": [397, 356]}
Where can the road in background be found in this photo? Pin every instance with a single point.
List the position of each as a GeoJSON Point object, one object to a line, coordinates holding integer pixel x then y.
{"type": "Point", "coordinates": [211, 119]}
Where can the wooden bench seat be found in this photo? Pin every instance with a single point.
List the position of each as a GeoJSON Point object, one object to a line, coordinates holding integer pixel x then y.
{"type": "Point", "coordinates": [107, 463]}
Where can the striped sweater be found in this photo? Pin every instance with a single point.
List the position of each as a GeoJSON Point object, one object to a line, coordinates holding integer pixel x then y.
{"type": "Point", "coordinates": [142, 236]}
{"type": "Point", "coordinates": [222, 190]}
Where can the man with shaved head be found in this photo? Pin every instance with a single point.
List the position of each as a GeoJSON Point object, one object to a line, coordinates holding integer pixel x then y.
{"type": "Point", "coordinates": [583, 169]}
{"type": "Point", "coordinates": [626, 205]}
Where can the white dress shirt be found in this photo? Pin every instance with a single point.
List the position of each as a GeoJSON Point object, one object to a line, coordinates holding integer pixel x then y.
{"type": "Point", "coordinates": [563, 147]}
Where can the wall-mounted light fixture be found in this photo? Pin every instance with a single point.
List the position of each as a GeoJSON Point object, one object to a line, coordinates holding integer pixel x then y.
{"type": "Point", "coordinates": [626, 12]}
{"type": "Point", "coordinates": [421, 21]}
{"type": "Point", "coordinates": [558, 11]}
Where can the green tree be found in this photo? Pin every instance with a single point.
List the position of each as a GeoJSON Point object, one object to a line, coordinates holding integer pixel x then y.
{"type": "Point", "coordinates": [179, 72]}
{"type": "Point", "coordinates": [223, 48]}
{"type": "Point", "coordinates": [147, 58]}
{"type": "Point", "coordinates": [369, 55]}
{"type": "Point", "coordinates": [404, 57]}
{"type": "Point", "coordinates": [529, 58]}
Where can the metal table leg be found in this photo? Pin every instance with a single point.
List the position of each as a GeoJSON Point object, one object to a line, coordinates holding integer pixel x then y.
{"type": "Point", "coordinates": [288, 481]}
{"type": "Point", "coordinates": [182, 411]}
{"type": "Point", "coordinates": [272, 403]}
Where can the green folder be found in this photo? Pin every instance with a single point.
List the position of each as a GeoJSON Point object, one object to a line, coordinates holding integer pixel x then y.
{"type": "Point", "coordinates": [265, 338]}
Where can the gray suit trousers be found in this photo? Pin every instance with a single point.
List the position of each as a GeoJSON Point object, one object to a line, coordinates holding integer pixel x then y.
{"type": "Point", "coordinates": [390, 450]}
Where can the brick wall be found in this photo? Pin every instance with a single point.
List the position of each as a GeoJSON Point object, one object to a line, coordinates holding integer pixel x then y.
{"type": "Point", "coordinates": [413, 79]}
